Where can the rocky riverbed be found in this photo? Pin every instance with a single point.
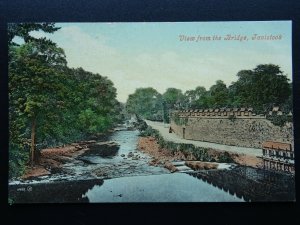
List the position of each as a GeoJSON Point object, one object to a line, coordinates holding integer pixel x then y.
{"type": "Point", "coordinates": [117, 156]}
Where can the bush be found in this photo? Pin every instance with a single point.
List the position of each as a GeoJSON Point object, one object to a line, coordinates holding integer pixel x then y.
{"type": "Point", "coordinates": [178, 120]}
{"type": "Point", "coordinates": [225, 158]}
{"type": "Point", "coordinates": [279, 120]}
{"type": "Point", "coordinates": [149, 131]}
{"type": "Point", "coordinates": [201, 154]}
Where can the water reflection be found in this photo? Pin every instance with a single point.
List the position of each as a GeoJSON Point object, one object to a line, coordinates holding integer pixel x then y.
{"type": "Point", "coordinates": [252, 184]}
{"type": "Point", "coordinates": [238, 184]}
{"type": "Point", "coordinates": [57, 192]}
{"type": "Point", "coordinates": [177, 187]}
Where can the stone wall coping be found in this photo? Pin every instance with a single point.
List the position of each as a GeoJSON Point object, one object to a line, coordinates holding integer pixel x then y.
{"type": "Point", "coordinates": [238, 112]}
{"type": "Point", "coordinates": [242, 109]}
{"type": "Point", "coordinates": [225, 117]}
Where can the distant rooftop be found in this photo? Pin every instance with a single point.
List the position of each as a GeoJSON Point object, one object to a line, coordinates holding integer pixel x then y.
{"type": "Point", "coordinates": [277, 145]}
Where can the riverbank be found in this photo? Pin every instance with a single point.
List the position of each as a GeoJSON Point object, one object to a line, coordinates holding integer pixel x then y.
{"type": "Point", "coordinates": [160, 155]}
{"type": "Point", "coordinates": [51, 160]}
{"type": "Point", "coordinates": [172, 137]}
{"type": "Point", "coordinates": [111, 157]}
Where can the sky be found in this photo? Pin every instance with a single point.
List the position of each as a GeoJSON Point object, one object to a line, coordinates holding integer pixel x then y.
{"type": "Point", "coordinates": [134, 55]}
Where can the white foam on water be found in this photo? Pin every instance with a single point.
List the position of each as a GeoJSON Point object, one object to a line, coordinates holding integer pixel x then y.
{"type": "Point", "coordinates": [223, 166]}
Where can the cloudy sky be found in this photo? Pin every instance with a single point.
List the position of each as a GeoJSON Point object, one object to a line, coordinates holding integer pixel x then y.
{"type": "Point", "coordinates": [136, 55]}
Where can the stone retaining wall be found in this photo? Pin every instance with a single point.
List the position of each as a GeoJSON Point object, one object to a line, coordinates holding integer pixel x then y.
{"type": "Point", "coordinates": [244, 132]}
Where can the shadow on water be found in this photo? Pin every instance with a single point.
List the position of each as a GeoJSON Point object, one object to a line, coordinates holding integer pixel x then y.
{"type": "Point", "coordinates": [176, 187]}
{"type": "Point", "coordinates": [58, 192]}
{"type": "Point", "coordinates": [238, 184]}
{"type": "Point", "coordinates": [252, 184]}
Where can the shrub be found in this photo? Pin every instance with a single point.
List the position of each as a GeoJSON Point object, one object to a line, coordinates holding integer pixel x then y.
{"type": "Point", "coordinates": [279, 120]}
{"type": "Point", "coordinates": [147, 132]}
{"type": "Point", "coordinates": [225, 158]}
{"type": "Point", "coordinates": [179, 121]}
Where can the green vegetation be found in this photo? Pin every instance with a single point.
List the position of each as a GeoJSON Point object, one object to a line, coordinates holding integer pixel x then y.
{"type": "Point", "coordinates": [279, 120]}
{"type": "Point", "coordinates": [49, 103]}
{"type": "Point", "coordinates": [147, 103]}
{"type": "Point", "coordinates": [225, 157]}
{"type": "Point", "coordinates": [261, 88]}
{"type": "Point", "coordinates": [179, 120]}
{"type": "Point", "coordinates": [199, 153]}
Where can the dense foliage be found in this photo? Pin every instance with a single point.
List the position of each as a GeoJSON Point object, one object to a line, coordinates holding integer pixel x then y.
{"type": "Point", "coordinates": [261, 88]}
{"type": "Point", "coordinates": [49, 103]}
{"type": "Point", "coordinates": [146, 102]}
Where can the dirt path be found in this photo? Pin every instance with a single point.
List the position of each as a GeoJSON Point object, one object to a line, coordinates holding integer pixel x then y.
{"type": "Point", "coordinates": [164, 131]}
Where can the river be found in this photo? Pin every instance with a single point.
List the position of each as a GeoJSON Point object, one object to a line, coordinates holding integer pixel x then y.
{"type": "Point", "coordinates": [119, 178]}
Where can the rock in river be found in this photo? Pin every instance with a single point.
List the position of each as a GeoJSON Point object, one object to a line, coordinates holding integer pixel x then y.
{"type": "Point", "coordinates": [103, 149]}
{"type": "Point", "coordinates": [130, 154]}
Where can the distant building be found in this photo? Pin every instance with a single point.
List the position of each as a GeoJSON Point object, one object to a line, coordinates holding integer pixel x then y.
{"type": "Point", "coordinates": [278, 156]}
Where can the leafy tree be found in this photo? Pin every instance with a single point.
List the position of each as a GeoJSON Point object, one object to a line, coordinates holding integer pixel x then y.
{"type": "Point", "coordinates": [261, 87]}
{"type": "Point", "coordinates": [97, 101]}
{"type": "Point", "coordinates": [18, 122]}
{"type": "Point", "coordinates": [145, 102]}
{"type": "Point", "coordinates": [173, 98]}
{"type": "Point", "coordinates": [219, 94]}
{"type": "Point", "coordinates": [23, 30]}
{"type": "Point", "coordinates": [194, 98]}
{"type": "Point", "coordinates": [206, 101]}
{"type": "Point", "coordinates": [50, 103]}
{"type": "Point", "coordinates": [35, 82]}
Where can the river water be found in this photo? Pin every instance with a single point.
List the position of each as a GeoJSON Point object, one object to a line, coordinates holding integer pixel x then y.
{"type": "Point", "coordinates": [119, 178]}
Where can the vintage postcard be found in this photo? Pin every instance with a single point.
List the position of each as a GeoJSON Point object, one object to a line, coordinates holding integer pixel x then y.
{"type": "Point", "coordinates": [151, 112]}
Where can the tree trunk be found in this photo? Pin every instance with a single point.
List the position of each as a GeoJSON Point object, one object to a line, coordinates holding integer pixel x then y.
{"type": "Point", "coordinates": [32, 150]}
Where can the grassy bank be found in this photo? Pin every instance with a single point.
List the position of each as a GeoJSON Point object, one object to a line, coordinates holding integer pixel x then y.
{"type": "Point", "coordinates": [199, 153]}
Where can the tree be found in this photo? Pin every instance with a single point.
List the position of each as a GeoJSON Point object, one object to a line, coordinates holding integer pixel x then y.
{"type": "Point", "coordinates": [50, 103]}
{"type": "Point", "coordinates": [96, 102]}
{"type": "Point", "coordinates": [173, 98]}
{"type": "Point", "coordinates": [35, 81]}
{"type": "Point", "coordinates": [219, 94]}
{"type": "Point", "coordinates": [23, 30]}
{"type": "Point", "coordinates": [145, 102]}
{"type": "Point", "coordinates": [261, 87]}
{"type": "Point", "coordinates": [192, 98]}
